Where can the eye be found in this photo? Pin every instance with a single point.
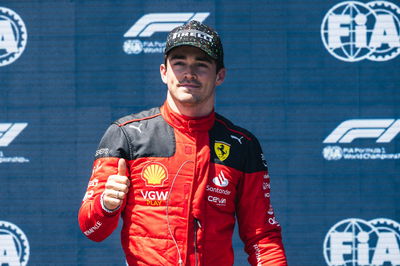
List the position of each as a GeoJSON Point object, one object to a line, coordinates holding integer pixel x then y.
{"type": "Point", "coordinates": [202, 65]}
{"type": "Point", "coordinates": [178, 63]}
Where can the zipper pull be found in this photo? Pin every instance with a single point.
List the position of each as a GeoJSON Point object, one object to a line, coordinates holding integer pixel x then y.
{"type": "Point", "coordinates": [197, 221]}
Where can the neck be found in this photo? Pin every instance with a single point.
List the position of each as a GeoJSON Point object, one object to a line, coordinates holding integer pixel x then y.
{"type": "Point", "coordinates": [189, 110]}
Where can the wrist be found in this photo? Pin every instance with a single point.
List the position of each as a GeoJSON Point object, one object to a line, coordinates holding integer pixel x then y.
{"type": "Point", "coordinates": [107, 210]}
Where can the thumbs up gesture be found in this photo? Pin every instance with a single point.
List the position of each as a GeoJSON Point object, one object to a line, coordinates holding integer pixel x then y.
{"type": "Point", "coordinates": [116, 188]}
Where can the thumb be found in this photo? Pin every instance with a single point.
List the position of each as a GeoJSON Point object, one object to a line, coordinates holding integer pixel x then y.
{"type": "Point", "coordinates": [122, 167]}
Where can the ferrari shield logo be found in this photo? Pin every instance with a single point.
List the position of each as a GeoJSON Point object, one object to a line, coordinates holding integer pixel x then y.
{"type": "Point", "coordinates": [222, 150]}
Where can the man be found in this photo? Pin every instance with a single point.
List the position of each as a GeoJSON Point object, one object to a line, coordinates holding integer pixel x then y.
{"type": "Point", "coordinates": [180, 173]}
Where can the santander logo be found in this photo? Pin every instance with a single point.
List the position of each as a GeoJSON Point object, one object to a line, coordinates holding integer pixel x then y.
{"type": "Point", "coordinates": [220, 180]}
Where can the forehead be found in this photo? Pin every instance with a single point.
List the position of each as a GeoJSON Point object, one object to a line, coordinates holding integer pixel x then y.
{"type": "Point", "coordinates": [188, 51]}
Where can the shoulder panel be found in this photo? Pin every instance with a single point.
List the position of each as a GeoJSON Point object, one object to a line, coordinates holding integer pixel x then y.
{"type": "Point", "coordinates": [235, 147]}
{"type": "Point", "coordinates": [144, 115]}
{"type": "Point", "coordinates": [148, 134]}
{"type": "Point", "coordinates": [145, 134]}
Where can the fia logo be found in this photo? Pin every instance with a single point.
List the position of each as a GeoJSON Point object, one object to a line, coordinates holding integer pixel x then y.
{"type": "Point", "coordinates": [354, 242]}
{"type": "Point", "coordinates": [13, 36]}
{"type": "Point", "coordinates": [14, 245]}
{"type": "Point", "coordinates": [353, 31]}
{"type": "Point", "coordinates": [152, 23]}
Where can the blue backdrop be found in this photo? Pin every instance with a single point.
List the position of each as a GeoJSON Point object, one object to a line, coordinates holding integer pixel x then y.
{"type": "Point", "coordinates": [317, 82]}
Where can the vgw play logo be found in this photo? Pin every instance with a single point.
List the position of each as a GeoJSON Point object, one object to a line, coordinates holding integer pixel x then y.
{"type": "Point", "coordinates": [353, 31]}
{"type": "Point", "coordinates": [14, 245]}
{"type": "Point", "coordinates": [139, 37]}
{"type": "Point", "coordinates": [13, 36]}
{"type": "Point", "coordinates": [355, 242]}
{"type": "Point", "coordinates": [340, 140]}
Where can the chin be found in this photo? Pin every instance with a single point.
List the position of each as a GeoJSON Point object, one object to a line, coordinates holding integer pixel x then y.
{"type": "Point", "coordinates": [188, 100]}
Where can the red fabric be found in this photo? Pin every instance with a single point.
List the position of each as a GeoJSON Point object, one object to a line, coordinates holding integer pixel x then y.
{"type": "Point", "coordinates": [155, 215]}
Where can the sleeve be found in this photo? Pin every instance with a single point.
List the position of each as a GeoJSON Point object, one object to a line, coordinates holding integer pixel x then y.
{"type": "Point", "coordinates": [95, 221]}
{"type": "Point", "coordinates": [258, 227]}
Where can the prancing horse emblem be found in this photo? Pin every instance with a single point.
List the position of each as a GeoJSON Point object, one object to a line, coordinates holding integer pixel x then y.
{"type": "Point", "coordinates": [222, 150]}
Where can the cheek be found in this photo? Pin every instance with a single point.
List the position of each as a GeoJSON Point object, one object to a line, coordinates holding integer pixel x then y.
{"type": "Point", "coordinates": [209, 80]}
{"type": "Point", "coordinates": [172, 79]}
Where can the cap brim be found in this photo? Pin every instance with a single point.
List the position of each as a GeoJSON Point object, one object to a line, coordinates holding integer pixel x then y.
{"type": "Point", "coordinates": [190, 44]}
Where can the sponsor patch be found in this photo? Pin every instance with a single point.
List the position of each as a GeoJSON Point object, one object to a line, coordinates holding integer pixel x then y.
{"type": "Point", "coordinates": [222, 150]}
{"type": "Point", "coordinates": [155, 174]}
{"type": "Point", "coordinates": [221, 180]}
{"type": "Point", "coordinates": [154, 198]}
{"type": "Point", "coordinates": [217, 200]}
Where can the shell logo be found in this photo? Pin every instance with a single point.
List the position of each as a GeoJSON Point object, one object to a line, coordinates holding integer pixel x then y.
{"type": "Point", "coordinates": [155, 174]}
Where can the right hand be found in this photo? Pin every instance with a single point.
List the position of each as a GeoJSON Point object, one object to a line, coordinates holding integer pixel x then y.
{"type": "Point", "coordinates": [116, 188]}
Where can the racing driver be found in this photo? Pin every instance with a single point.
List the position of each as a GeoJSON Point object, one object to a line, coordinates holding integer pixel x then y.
{"type": "Point", "coordinates": [179, 174]}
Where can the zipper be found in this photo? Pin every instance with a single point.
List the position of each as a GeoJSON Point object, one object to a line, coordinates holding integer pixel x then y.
{"type": "Point", "coordinates": [197, 226]}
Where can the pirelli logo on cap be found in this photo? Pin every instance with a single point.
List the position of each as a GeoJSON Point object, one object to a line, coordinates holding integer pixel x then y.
{"type": "Point", "coordinates": [155, 174]}
{"type": "Point", "coordinates": [222, 150]}
{"type": "Point", "coordinates": [193, 33]}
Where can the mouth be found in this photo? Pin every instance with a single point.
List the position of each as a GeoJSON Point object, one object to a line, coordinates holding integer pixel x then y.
{"type": "Point", "coordinates": [189, 85]}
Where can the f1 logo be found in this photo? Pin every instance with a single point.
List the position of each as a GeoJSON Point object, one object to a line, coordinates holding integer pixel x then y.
{"type": "Point", "coordinates": [383, 129]}
{"type": "Point", "coordinates": [151, 23]}
{"type": "Point", "coordinates": [9, 131]}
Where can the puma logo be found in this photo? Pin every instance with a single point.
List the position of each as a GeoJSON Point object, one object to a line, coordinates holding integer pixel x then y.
{"type": "Point", "coordinates": [238, 139]}
{"type": "Point", "coordinates": [136, 127]}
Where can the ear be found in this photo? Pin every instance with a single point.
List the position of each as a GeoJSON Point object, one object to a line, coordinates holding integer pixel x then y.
{"type": "Point", "coordinates": [163, 73]}
{"type": "Point", "coordinates": [220, 76]}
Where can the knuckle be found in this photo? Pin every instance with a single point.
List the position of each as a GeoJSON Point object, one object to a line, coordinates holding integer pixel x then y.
{"type": "Point", "coordinates": [122, 179]}
{"type": "Point", "coordinates": [117, 201]}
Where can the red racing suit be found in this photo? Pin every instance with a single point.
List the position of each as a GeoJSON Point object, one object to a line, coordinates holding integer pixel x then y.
{"type": "Point", "coordinates": [189, 178]}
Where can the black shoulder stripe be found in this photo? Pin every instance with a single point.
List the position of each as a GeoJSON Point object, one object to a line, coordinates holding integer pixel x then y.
{"type": "Point", "coordinates": [147, 134]}
{"type": "Point", "coordinates": [231, 127]}
{"type": "Point", "coordinates": [243, 153]}
{"type": "Point", "coordinates": [144, 115]}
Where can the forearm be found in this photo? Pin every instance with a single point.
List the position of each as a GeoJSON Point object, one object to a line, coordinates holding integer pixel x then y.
{"type": "Point", "coordinates": [267, 251]}
{"type": "Point", "coordinates": [95, 221]}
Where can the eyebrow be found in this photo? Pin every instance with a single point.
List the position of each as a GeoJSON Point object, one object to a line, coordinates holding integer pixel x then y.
{"type": "Point", "coordinates": [198, 58]}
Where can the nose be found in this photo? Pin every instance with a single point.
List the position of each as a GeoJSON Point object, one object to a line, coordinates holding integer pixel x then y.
{"type": "Point", "coordinates": [190, 73]}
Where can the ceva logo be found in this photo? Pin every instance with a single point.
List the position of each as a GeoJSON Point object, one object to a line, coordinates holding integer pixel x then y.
{"type": "Point", "coordinates": [152, 23]}
{"type": "Point", "coordinates": [13, 36]}
{"type": "Point", "coordinates": [382, 131]}
{"type": "Point", "coordinates": [356, 242]}
{"type": "Point", "coordinates": [353, 31]}
{"type": "Point", "coordinates": [14, 245]}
